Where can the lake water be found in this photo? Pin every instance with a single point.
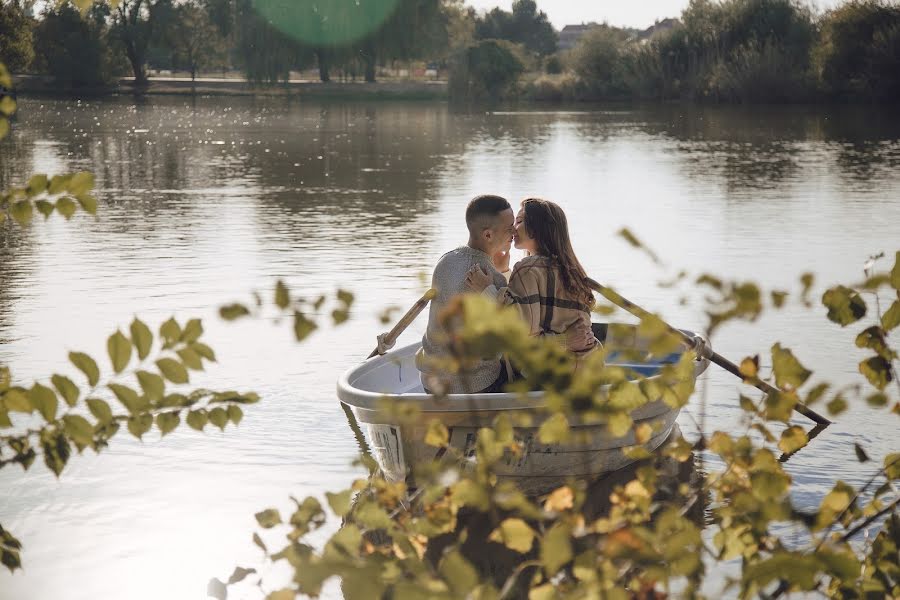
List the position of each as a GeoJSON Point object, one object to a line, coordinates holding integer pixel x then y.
{"type": "Point", "coordinates": [203, 201]}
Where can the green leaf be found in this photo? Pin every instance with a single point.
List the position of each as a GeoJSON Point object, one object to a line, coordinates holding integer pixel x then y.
{"type": "Point", "coordinates": [554, 430]}
{"type": "Point", "coordinates": [258, 541]}
{"type": "Point", "coordinates": [129, 398]}
{"type": "Point", "coordinates": [892, 466]}
{"type": "Point", "coordinates": [142, 338]}
{"type": "Point", "coordinates": [816, 393]}
{"type": "Point", "coordinates": [44, 400]}
{"type": "Point", "coordinates": [895, 272]}
{"type": "Point", "coordinates": [100, 409]}
{"type": "Point", "coordinates": [861, 455]}
{"type": "Point", "coordinates": [153, 385]}
{"type": "Point", "coordinates": [5, 77]}
{"type": "Point", "coordinates": [302, 326]}
{"type": "Point", "coordinates": [218, 417]}
{"type": "Point", "coordinates": [437, 434]}
{"type": "Point", "coordinates": [842, 564]}
{"type": "Point", "coordinates": [788, 370]}
{"type": "Point", "coordinates": [4, 130]}
{"type": "Point", "coordinates": [778, 406]}
{"type": "Point", "coordinates": [172, 370]}
{"type": "Point", "coordinates": [268, 518]}
{"type": "Point", "coordinates": [86, 365]}
{"type": "Point", "coordinates": [79, 429]}
{"type": "Point", "coordinates": [119, 348]}
{"type": "Point", "coordinates": [8, 107]}
{"type": "Point", "coordinates": [282, 295]}
{"type": "Point", "coordinates": [515, 534]}
{"type": "Point", "coordinates": [792, 439]}
{"type": "Point", "coordinates": [44, 207]}
{"type": "Point", "coordinates": [231, 312]}
{"type": "Point", "coordinates": [170, 332]}
{"type": "Point", "coordinates": [834, 503]}
{"type": "Point", "coordinates": [877, 400]}
{"type": "Point", "coordinates": [459, 574]}
{"type": "Point", "coordinates": [190, 359]}
{"type": "Point", "coordinates": [4, 418]}
{"type": "Point", "coordinates": [339, 502]}
{"type": "Point", "coordinates": [81, 183]}
{"type": "Point", "coordinates": [556, 549]}
{"type": "Point", "coordinates": [167, 421]}
{"type": "Point", "coordinates": [17, 400]}
{"type": "Point", "coordinates": [239, 574]}
{"type": "Point", "coordinates": [204, 351]}
{"type": "Point", "coordinates": [891, 318]}
{"type": "Point", "coordinates": [58, 183]}
{"type": "Point", "coordinates": [56, 451]}
{"type": "Point", "coordinates": [21, 211]}
{"type": "Point", "coordinates": [845, 306]}
{"type": "Point", "coordinates": [140, 424]}
{"type": "Point", "coordinates": [877, 370]}
{"type": "Point", "coordinates": [66, 388]}
{"type": "Point", "coordinates": [193, 329]}
{"type": "Point", "coordinates": [197, 419]}
{"type": "Point", "coordinates": [37, 184]}
{"type": "Point", "coordinates": [88, 203]}
{"type": "Point", "coordinates": [235, 414]}
{"type": "Point", "coordinates": [619, 424]}
{"type": "Point", "coordinates": [66, 207]}
{"type": "Point", "coordinates": [837, 405]}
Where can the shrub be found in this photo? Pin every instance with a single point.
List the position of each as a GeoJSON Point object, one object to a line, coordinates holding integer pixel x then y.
{"type": "Point", "coordinates": [487, 69]}
{"type": "Point", "coordinates": [859, 54]}
{"type": "Point", "coordinates": [554, 88]}
{"type": "Point", "coordinates": [598, 60]}
{"type": "Point", "coordinates": [74, 49]}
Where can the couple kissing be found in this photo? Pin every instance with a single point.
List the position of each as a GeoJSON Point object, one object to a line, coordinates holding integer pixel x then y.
{"type": "Point", "coordinates": [549, 288]}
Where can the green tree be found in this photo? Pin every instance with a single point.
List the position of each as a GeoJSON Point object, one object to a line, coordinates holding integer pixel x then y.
{"type": "Point", "coordinates": [74, 48]}
{"type": "Point", "coordinates": [266, 54]}
{"type": "Point", "coordinates": [859, 53]}
{"type": "Point", "coordinates": [486, 70]}
{"type": "Point", "coordinates": [136, 25]}
{"type": "Point", "coordinates": [598, 60]}
{"type": "Point", "coordinates": [196, 42]}
{"type": "Point", "coordinates": [525, 25]}
{"type": "Point", "coordinates": [16, 49]}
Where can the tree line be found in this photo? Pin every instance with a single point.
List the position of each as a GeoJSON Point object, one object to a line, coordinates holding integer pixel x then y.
{"type": "Point", "coordinates": [262, 39]}
{"type": "Point", "coordinates": [740, 51]}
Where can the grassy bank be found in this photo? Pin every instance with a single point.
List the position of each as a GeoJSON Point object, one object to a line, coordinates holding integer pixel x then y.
{"type": "Point", "coordinates": [387, 90]}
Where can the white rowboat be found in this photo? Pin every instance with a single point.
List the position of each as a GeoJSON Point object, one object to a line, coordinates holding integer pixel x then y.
{"type": "Point", "coordinates": [397, 447]}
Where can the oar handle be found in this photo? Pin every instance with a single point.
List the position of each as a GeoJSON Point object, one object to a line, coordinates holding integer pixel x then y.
{"type": "Point", "coordinates": [408, 318]}
{"type": "Point", "coordinates": [704, 350]}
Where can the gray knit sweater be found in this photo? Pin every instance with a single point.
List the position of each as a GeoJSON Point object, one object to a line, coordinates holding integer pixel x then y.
{"type": "Point", "coordinates": [449, 279]}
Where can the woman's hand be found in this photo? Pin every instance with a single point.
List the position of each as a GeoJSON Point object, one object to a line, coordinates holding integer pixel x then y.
{"type": "Point", "coordinates": [477, 279]}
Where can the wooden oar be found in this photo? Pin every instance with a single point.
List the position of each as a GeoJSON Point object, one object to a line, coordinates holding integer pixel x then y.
{"type": "Point", "coordinates": [388, 340]}
{"type": "Point", "coordinates": [706, 351]}
{"type": "Point", "coordinates": [408, 318]}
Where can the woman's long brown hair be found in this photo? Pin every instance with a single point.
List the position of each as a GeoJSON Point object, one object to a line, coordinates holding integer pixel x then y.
{"type": "Point", "coordinates": [546, 223]}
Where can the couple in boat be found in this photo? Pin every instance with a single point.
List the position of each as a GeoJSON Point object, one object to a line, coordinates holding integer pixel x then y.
{"type": "Point", "coordinates": [548, 286]}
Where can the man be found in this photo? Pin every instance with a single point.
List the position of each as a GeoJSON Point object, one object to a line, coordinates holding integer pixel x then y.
{"type": "Point", "coordinates": [490, 222]}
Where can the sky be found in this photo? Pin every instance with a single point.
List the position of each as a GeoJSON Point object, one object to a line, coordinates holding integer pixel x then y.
{"type": "Point", "coordinates": [622, 13]}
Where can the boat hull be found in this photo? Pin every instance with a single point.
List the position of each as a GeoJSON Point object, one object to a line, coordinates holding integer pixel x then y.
{"type": "Point", "coordinates": [592, 451]}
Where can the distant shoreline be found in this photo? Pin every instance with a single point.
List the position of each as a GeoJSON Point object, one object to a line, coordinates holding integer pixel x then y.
{"type": "Point", "coordinates": [26, 85]}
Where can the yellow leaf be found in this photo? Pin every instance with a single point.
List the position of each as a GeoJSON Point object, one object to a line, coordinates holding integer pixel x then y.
{"type": "Point", "coordinates": [554, 430]}
{"type": "Point", "coordinates": [437, 434]}
{"type": "Point", "coordinates": [515, 534]}
{"type": "Point", "coordinates": [560, 499]}
{"type": "Point", "coordinates": [792, 439]}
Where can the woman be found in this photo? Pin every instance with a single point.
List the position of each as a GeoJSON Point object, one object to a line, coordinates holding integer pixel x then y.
{"type": "Point", "coordinates": [549, 285]}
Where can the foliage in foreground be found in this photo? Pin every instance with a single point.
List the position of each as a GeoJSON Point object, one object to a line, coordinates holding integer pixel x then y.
{"type": "Point", "coordinates": [465, 533]}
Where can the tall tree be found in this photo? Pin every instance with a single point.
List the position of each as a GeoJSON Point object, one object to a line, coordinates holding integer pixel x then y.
{"type": "Point", "coordinates": [196, 41]}
{"type": "Point", "coordinates": [16, 50]}
{"type": "Point", "coordinates": [525, 25]}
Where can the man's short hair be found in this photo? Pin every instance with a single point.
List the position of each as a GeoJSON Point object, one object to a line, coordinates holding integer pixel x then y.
{"type": "Point", "coordinates": [482, 209]}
